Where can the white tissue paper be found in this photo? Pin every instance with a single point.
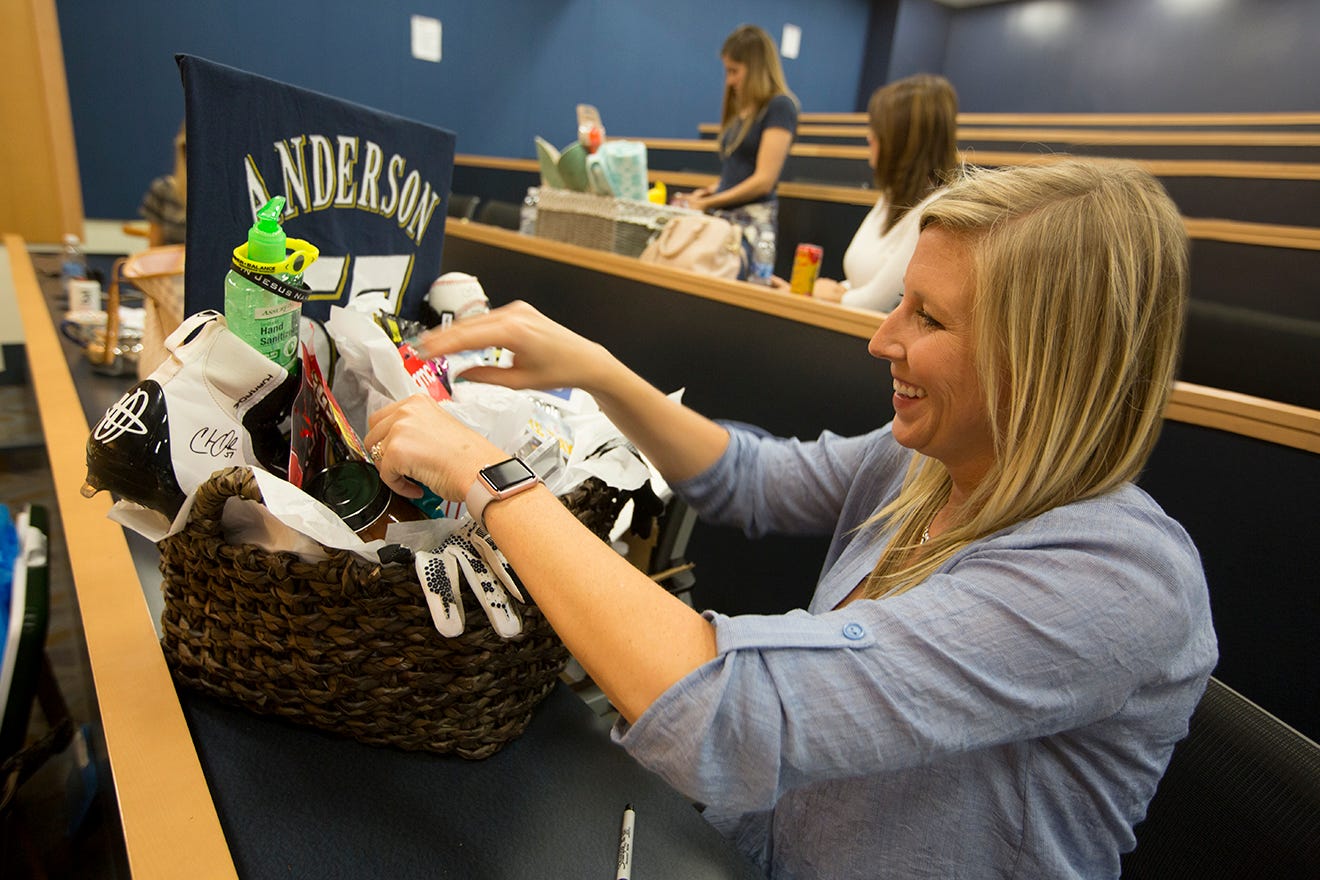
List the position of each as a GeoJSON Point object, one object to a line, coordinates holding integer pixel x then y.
{"type": "Point", "coordinates": [562, 435]}
{"type": "Point", "coordinates": [369, 372]}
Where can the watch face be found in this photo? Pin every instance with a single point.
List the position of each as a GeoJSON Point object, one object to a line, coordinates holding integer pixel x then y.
{"type": "Point", "coordinates": [507, 474]}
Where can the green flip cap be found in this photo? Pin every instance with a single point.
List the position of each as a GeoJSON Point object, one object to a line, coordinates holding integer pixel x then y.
{"type": "Point", "coordinates": [266, 237]}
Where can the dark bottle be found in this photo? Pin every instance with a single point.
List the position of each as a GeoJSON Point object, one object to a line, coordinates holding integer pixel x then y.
{"type": "Point", "coordinates": [358, 496]}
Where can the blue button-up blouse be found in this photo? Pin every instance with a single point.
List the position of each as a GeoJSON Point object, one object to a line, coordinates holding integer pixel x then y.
{"type": "Point", "coordinates": [1009, 717]}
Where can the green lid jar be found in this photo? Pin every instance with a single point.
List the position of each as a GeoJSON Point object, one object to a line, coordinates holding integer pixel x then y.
{"type": "Point", "coordinates": [357, 495]}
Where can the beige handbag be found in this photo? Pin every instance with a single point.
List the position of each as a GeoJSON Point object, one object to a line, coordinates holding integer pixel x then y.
{"type": "Point", "coordinates": [709, 245]}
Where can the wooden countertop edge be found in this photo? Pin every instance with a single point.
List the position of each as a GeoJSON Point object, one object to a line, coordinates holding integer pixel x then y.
{"type": "Point", "coordinates": [853, 322]}
{"type": "Point", "coordinates": [1269, 420]}
{"type": "Point", "coordinates": [170, 825]}
{"type": "Point", "coordinates": [1295, 426]}
{"type": "Point", "coordinates": [1158, 167]}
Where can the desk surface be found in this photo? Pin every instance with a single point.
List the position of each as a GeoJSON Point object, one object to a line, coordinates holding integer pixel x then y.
{"type": "Point", "coordinates": [208, 790]}
{"type": "Point", "coordinates": [296, 802]}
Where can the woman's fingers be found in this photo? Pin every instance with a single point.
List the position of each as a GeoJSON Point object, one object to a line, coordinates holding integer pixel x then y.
{"type": "Point", "coordinates": [418, 441]}
{"type": "Point", "coordinates": [545, 353]}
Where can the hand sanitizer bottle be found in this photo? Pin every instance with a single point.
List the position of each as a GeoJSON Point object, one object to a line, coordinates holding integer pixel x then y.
{"type": "Point", "coordinates": [264, 292]}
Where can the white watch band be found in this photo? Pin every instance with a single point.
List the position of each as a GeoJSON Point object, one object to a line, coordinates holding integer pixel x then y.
{"type": "Point", "coordinates": [478, 496]}
{"type": "Point", "coordinates": [483, 491]}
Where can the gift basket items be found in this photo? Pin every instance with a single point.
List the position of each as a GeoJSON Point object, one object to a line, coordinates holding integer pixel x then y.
{"type": "Point", "coordinates": [129, 452]}
{"type": "Point", "coordinates": [264, 290]}
{"type": "Point", "coordinates": [296, 582]}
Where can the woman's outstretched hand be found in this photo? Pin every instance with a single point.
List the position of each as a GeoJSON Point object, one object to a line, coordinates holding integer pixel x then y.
{"type": "Point", "coordinates": [545, 354]}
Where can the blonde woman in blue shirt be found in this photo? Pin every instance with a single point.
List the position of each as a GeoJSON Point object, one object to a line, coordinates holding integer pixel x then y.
{"type": "Point", "coordinates": [1008, 636]}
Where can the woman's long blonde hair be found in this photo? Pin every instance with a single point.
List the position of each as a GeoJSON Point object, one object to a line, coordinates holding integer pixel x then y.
{"type": "Point", "coordinates": [1080, 288]}
{"type": "Point", "coordinates": [751, 46]}
{"type": "Point", "coordinates": [914, 122]}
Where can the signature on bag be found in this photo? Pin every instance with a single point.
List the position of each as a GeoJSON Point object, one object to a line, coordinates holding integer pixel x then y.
{"type": "Point", "coordinates": [214, 442]}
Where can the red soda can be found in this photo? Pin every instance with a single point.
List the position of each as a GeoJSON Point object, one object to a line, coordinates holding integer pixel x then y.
{"type": "Point", "coordinates": [806, 266]}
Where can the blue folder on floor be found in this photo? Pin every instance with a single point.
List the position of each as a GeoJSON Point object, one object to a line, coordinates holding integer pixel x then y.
{"type": "Point", "coordinates": [26, 675]}
{"type": "Point", "coordinates": [368, 188]}
{"type": "Point", "coordinates": [26, 614]}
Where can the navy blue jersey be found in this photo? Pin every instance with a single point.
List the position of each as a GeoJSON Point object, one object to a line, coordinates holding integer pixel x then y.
{"type": "Point", "coordinates": [368, 188]}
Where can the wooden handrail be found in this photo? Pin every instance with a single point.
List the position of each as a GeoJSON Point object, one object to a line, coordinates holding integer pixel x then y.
{"type": "Point", "coordinates": [473, 160]}
{"type": "Point", "coordinates": [1094, 137]}
{"type": "Point", "coordinates": [1285, 424]}
{"type": "Point", "coordinates": [853, 322]}
{"type": "Point", "coordinates": [1145, 137]}
{"type": "Point", "coordinates": [1097, 119]}
{"type": "Point", "coordinates": [1165, 167]}
{"type": "Point", "coordinates": [1282, 423]}
{"type": "Point", "coordinates": [1158, 167]}
{"type": "Point", "coordinates": [1235, 231]}
{"type": "Point", "coordinates": [1266, 234]}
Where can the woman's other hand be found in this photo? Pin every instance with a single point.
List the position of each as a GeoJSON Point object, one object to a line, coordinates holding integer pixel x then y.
{"type": "Point", "coordinates": [694, 199]}
{"type": "Point", "coordinates": [547, 355]}
{"type": "Point", "coordinates": [416, 440]}
{"type": "Point", "coordinates": [828, 289]}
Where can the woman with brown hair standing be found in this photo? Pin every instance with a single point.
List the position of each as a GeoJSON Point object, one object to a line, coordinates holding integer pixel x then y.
{"type": "Point", "coordinates": [758, 120]}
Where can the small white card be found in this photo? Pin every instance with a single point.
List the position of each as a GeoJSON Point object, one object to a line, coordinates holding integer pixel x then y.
{"type": "Point", "coordinates": [84, 295]}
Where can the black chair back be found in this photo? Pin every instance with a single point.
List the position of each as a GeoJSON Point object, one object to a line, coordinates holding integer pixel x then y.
{"type": "Point", "coordinates": [497, 213]}
{"type": "Point", "coordinates": [1240, 799]}
{"type": "Point", "coordinates": [462, 206]}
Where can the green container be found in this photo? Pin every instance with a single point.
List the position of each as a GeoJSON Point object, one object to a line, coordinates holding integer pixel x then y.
{"type": "Point", "coordinates": [263, 318]}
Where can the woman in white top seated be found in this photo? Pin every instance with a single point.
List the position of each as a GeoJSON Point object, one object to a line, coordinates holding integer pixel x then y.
{"type": "Point", "coordinates": [913, 146]}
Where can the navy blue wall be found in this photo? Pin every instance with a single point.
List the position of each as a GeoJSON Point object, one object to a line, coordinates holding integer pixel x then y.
{"type": "Point", "coordinates": [1134, 55]}
{"type": "Point", "coordinates": [514, 69]}
{"type": "Point", "coordinates": [511, 69]}
{"type": "Point", "coordinates": [921, 35]}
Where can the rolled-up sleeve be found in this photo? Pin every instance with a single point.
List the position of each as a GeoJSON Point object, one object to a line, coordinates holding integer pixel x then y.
{"type": "Point", "coordinates": [728, 733]}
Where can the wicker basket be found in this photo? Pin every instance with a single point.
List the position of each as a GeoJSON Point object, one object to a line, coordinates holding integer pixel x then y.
{"type": "Point", "coordinates": [622, 226]}
{"type": "Point", "coordinates": [349, 646]}
{"type": "Point", "coordinates": [158, 273]}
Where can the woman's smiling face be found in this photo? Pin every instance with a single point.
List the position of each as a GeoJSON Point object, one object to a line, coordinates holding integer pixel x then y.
{"type": "Point", "coordinates": [930, 343]}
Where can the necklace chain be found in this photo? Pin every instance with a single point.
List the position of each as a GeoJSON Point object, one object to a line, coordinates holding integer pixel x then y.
{"type": "Point", "coordinates": [925, 534]}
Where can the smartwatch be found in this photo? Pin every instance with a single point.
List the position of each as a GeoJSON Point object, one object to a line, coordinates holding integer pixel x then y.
{"type": "Point", "coordinates": [497, 482]}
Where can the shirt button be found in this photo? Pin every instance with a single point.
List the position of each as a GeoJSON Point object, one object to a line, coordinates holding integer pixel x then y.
{"type": "Point", "coordinates": [854, 631]}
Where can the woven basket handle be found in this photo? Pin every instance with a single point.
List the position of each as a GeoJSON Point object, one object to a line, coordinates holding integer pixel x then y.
{"type": "Point", "coordinates": [209, 501]}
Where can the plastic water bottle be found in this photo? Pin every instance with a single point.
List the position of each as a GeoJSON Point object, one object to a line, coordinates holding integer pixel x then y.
{"type": "Point", "coordinates": [527, 214]}
{"type": "Point", "coordinates": [763, 255]}
{"type": "Point", "coordinates": [73, 264]}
